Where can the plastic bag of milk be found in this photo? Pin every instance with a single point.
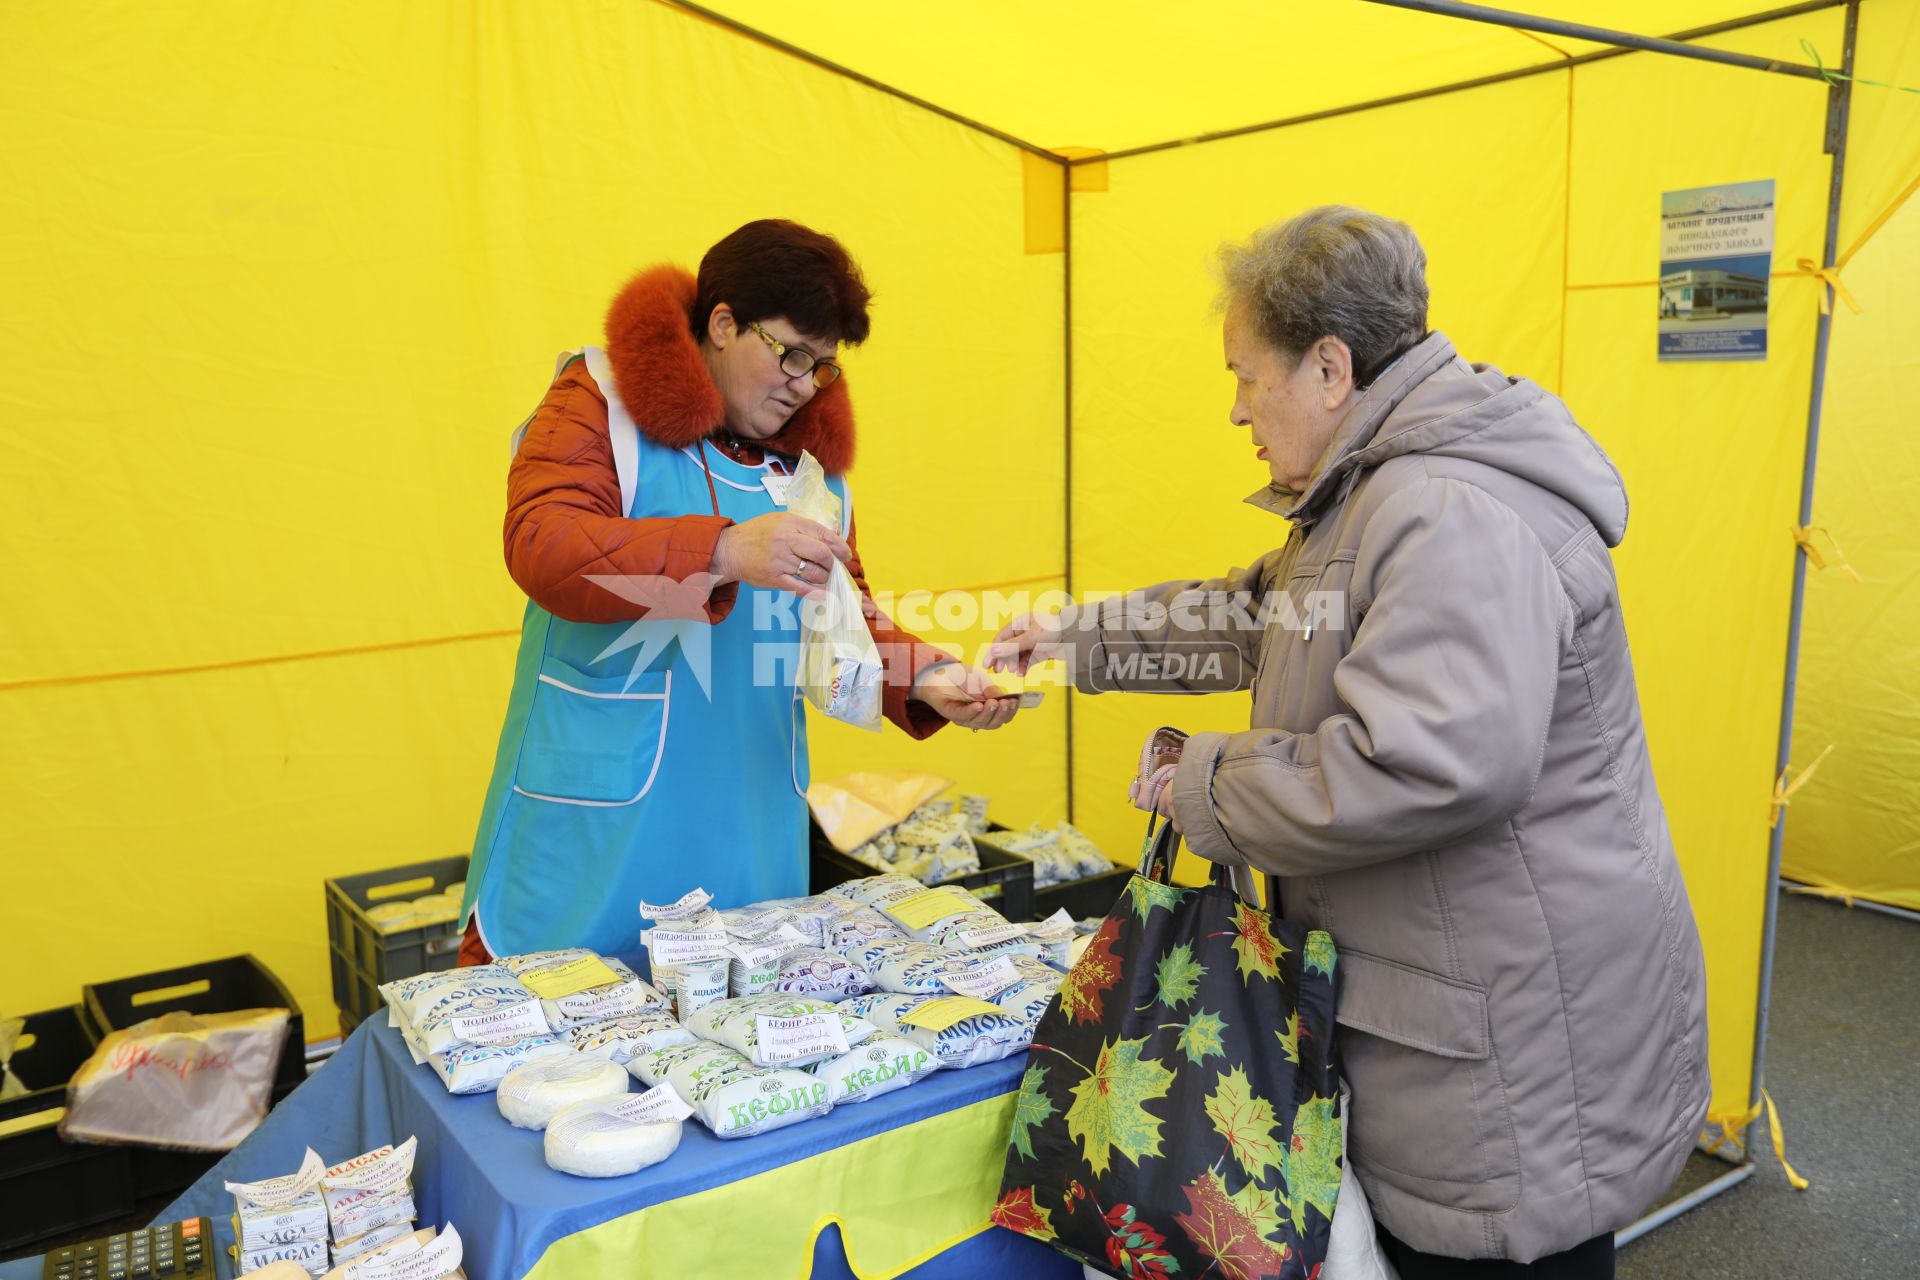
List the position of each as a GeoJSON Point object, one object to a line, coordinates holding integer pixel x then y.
{"type": "Point", "coordinates": [958, 1032]}
{"type": "Point", "coordinates": [878, 1065]}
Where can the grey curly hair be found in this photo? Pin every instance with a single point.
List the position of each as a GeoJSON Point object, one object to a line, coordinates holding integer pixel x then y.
{"type": "Point", "coordinates": [1333, 271]}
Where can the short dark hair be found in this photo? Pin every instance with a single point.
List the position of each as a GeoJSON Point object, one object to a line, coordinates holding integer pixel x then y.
{"type": "Point", "coordinates": [772, 267]}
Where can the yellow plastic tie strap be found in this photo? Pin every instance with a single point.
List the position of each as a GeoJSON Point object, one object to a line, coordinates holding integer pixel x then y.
{"type": "Point", "coordinates": [1780, 1142]}
{"type": "Point", "coordinates": [1831, 277]}
{"type": "Point", "coordinates": [1803, 535]}
{"type": "Point", "coordinates": [1733, 1125]}
{"type": "Point", "coordinates": [1783, 790]}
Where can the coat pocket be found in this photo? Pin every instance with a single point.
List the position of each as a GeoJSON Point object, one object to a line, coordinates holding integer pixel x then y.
{"type": "Point", "coordinates": [593, 740]}
{"type": "Point", "coordinates": [1430, 1114]}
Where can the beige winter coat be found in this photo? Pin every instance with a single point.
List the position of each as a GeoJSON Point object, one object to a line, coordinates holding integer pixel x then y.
{"type": "Point", "coordinates": [1447, 771]}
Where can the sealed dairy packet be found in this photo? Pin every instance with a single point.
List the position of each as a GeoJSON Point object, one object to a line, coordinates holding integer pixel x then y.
{"type": "Point", "coordinates": [618, 1039]}
{"type": "Point", "coordinates": [877, 892]}
{"type": "Point", "coordinates": [483, 1004]}
{"type": "Point", "coordinates": [628, 994]}
{"type": "Point", "coordinates": [370, 1240]}
{"type": "Point", "coordinates": [880, 1064]}
{"type": "Point", "coordinates": [820, 974]}
{"type": "Point", "coordinates": [809, 914]}
{"type": "Point", "coordinates": [840, 668]}
{"type": "Point", "coordinates": [479, 1068]}
{"type": "Point", "coordinates": [737, 1024]}
{"type": "Point", "coordinates": [693, 986]}
{"type": "Point", "coordinates": [958, 1032]}
{"type": "Point", "coordinates": [731, 1096]}
{"type": "Point", "coordinates": [855, 925]}
{"type": "Point", "coordinates": [1028, 1000]}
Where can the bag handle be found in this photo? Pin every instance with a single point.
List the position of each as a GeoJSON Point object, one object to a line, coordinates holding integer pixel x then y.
{"type": "Point", "coordinates": [1157, 852]}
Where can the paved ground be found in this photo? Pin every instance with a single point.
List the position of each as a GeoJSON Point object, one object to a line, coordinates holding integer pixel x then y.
{"type": "Point", "coordinates": [1843, 1063]}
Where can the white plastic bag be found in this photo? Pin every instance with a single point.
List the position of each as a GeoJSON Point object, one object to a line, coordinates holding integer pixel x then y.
{"type": "Point", "coordinates": [198, 1082]}
{"type": "Point", "coordinates": [840, 668]}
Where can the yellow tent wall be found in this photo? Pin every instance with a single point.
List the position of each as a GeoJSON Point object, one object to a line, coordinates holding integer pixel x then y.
{"type": "Point", "coordinates": [1854, 830]}
{"type": "Point", "coordinates": [281, 281]}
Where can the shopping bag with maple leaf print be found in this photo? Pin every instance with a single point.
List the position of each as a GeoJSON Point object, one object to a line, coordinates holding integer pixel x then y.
{"type": "Point", "coordinates": [1179, 1115]}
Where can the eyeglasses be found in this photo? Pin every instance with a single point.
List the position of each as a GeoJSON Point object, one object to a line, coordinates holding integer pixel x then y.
{"type": "Point", "coordinates": [796, 363]}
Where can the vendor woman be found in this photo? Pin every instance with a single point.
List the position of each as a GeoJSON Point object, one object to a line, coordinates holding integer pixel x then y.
{"type": "Point", "coordinates": [654, 741]}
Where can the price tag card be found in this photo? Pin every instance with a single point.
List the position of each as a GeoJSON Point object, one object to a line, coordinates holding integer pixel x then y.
{"type": "Point", "coordinates": [510, 1023]}
{"type": "Point", "coordinates": [983, 981]}
{"type": "Point", "coordinates": [940, 1013]}
{"type": "Point", "coordinates": [755, 953]}
{"type": "Point", "coordinates": [993, 935]}
{"type": "Point", "coordinates": [922, 909]}
{"type": "Point", "coordinates": [434, 1262]}
{"type": "Point", "coordinates": [1057, 927]}
{"type": "Point", "coordinates": [571, 978]}
{"type": "Point", "coordinates": [674, 947]}
{"type": "Point", "coordinates": [658, 1103]}
{"type": "Point", "coordinates": [807, 1035]}
{"type": "Point", "coordinates": [691, 904]}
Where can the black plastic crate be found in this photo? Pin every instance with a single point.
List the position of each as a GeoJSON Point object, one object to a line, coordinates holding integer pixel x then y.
{"type": "Point", "coordinates": [211, 986]}
{"type": "Point", "coordinates": [1089, 896]}
{"type": "Point", "coordinates": [1003, 881]}
{"type": "Point", "coordinates": [363, 957]}
{"type": "Point", "coordinates": [49, 1187]}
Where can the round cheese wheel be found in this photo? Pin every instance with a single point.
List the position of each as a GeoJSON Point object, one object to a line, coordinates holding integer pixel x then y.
{"type": "Point", "coordinates": [593, 1140]}
{"type": "Point", "coordinates": [533, 1091]}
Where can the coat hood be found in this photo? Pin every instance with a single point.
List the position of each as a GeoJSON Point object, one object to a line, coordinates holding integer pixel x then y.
{"type": "Point", "coordinates": [1432, 401]}
{"type": "Point", "coordinates": [662, 378]}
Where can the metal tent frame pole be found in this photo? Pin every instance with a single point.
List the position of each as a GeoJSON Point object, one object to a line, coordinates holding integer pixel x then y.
{"type": "Point", "coordinates": [1839, 111]}
{"type": "Point", "coordinates": [1851, 904]}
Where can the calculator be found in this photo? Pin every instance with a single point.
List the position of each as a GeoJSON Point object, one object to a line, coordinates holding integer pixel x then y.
{"type": "Point", "coordinates": [164, 1251]}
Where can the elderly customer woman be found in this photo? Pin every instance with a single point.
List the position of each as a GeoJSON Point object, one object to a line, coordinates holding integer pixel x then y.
{"type": "Point", "coordinates": [654, 741]}
{"type": "Point", "coordinates": [1445, 767]}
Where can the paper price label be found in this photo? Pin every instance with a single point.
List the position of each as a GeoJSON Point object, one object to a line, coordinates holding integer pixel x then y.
{"type": "Point", "coordinates": [993, 935]}
{"type": "Point", "coordinates": [1057, 927]}
{"type": "Point", "coordinates": [571, 978]}
{"type": "Point", "coordinates": [922, 909]}
{"type": "Point", "coordinates": [660, 1103]}
{"type": "Point", "coordinates": [274, 1193]}
{"type": "Point", "coordinates": [671, 948]}
{"type": "Point", "coordinates": [690, 905]}
{"type": "Point", "coordinates": [510, 1023]}
{"type": "Point", "coordinates": [759, 926]}
{"type": "Point", "coordinates": [983, 981]}
{"type": "Point", "coordinates": [404, 1247]}
{"type": "Point", "coordinates": [943, 1011]}
{"type": "Point", "coordinates": [807, 1035]}
{"type": "Point", "coordinates": [384, 1172]}
{"type": "Point", "coordinates": [433, 1262]}
{"type": "Point", "coordinates": [756, 955]}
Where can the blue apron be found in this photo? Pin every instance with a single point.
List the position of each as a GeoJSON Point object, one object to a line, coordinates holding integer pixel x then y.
{"type": "Point", "coordinates": [633, 767]}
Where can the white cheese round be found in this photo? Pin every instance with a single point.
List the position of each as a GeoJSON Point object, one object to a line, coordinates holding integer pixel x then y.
{"type": "Point", "coordinates": [533, 1091]}
{"type": "Point", "coordinates": [593, 1140]}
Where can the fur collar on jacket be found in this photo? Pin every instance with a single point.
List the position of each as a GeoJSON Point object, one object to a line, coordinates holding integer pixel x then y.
{"type": "Point", "coordinates": [663, 380]}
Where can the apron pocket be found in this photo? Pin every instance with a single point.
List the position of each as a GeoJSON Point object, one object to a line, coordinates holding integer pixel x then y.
{"type": "Point", "coordinates": [593, 740]}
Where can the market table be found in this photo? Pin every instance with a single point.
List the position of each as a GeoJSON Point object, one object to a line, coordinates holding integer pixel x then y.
{"type": "Point", "coordinates": [897, 1186]}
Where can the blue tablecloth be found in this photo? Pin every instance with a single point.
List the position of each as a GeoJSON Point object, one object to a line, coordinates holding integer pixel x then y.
{"type": "Point", "coordinates": [492, 1181]}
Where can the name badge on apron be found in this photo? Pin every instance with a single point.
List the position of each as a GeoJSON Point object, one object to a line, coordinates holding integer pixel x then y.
{"type": "Point", "coordinates": [776, 486]}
